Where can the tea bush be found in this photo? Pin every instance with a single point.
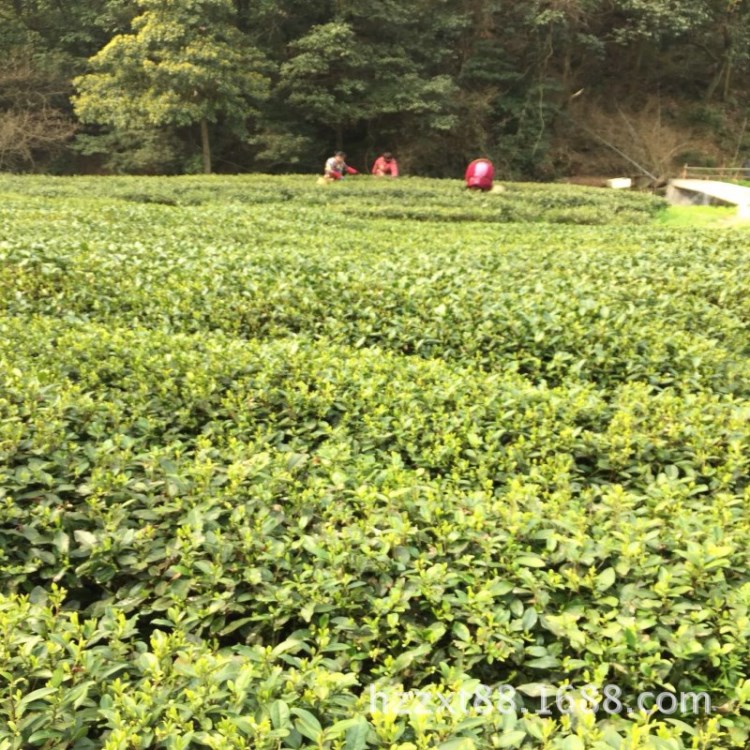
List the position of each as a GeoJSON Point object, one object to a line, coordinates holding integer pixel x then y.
{"type": "Point", "coordinates": [271, 454]}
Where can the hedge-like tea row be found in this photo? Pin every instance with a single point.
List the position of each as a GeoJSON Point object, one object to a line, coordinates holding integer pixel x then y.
{"type": "Point", "coordinates": [603, 304]}
{"type": "Point", "coordinates": [260, 468]}
{"type": "Point", "coordinates": [363, 197]}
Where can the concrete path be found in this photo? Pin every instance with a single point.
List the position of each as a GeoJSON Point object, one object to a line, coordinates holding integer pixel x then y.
{"type": "Point", "coordinates": [703, 192]}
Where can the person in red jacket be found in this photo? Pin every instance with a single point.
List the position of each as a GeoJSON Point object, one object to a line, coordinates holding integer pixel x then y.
{"type": "Point", "coordinates": [385, 165]}
{"type": "Point", "coordinates": [336, 167]}
{"type": "Point", "coordinates": [479, 175]}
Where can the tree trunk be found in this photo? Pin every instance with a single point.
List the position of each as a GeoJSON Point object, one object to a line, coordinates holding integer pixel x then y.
{"type": "Point", "coordinates": [728, 55]}
{"type": "Point", "coordinates": [715, 81]}
{"type": "Point", "coordinates": [728, 79]}
{"type": "Point", "coordinates": [242, 8]}
{"type": "Point", "coordinates": [567, 68]}
{"type": "Point", "coordinates": [725, 71]}
{"type": "Point", "coordinates": [205, 147]}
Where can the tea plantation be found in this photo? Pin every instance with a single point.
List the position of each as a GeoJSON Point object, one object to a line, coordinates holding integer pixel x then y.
{"type": "Point", "coordinates": [372, 465]}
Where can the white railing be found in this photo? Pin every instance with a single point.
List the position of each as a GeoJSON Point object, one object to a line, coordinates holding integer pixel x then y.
{"type": "Point", "coordinates": [715, 173]}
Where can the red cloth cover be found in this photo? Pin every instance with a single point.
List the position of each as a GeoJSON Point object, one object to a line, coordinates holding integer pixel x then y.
{"type": "Point", "coordinates": [479, 174]}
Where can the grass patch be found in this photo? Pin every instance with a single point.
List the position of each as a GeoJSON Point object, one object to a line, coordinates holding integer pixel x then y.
{"type": "Point", "coordinates": [697, 216]}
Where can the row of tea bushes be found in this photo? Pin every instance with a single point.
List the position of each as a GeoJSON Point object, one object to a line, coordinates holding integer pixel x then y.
{"type": "Point", "coordinates": [408, 198]}
{"type": "Point", "coordinates": [605, 305]}
{"type": "Point", "coordinates": [415, 512]}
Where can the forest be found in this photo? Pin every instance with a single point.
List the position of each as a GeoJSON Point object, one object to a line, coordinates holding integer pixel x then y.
{"type": "Point", "coordinates": [545, 88]}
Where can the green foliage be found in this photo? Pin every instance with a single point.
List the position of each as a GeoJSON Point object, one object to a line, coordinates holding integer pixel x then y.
{"type": "Point", "coordinates": [185, 63]}
{"type": "Point", "coordinates": [690, 216]}
{"type": "Point", "coordinates": [339, 79]}
{"type": "Point", "coordinates": [280, 83]}
{"type": "Point", "coordinates": [266, 448]}
{"type": "Point", "coordinates": [134, 151]}
{"type": "Point", "coordinates": [70, 31]}
{"type": "Point", "coordinates": [327, 76]}
{"type": "Point", "coordinates": [657, 19]}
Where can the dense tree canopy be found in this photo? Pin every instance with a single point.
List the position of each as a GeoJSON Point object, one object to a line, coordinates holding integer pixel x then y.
{"type": "Point", "coordinates": [186, 63]}
{"type": "Point", "coordinates": [539, 86]}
